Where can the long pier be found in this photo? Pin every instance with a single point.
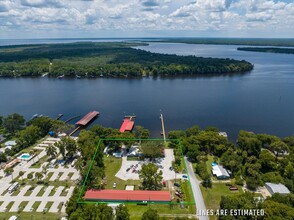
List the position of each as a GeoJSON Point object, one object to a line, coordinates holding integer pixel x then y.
{"type": "Point", "coordinates": [72, 118]}
{"type": "Point", "coordinates": [74, 131]}
{"type": "Point", "coordinates": [163, 129]}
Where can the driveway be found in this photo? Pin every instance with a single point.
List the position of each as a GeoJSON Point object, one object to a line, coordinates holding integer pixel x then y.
{"type": "Point", "coordinates": [200, 206]}
{"type": "Point", "coordinates": [165, 163]}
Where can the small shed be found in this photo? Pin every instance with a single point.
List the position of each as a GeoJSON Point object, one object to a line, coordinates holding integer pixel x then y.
{"type": "Point", "coordinates": [277, 188]}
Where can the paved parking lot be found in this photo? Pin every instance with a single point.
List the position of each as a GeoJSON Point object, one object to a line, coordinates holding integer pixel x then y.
{"type": "Point", "coordinates": [163, 163]}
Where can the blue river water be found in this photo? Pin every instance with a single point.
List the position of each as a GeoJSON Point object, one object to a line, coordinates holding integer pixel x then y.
{"type": "Point", "coordinates": [260, 101]}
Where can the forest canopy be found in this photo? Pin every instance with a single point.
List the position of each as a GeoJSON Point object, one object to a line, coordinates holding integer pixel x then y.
{"type": "Point", "coordinates": [114, 59]}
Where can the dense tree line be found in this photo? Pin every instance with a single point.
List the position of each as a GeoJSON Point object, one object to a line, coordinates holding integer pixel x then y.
{"type": "Point", "coordinates": [255, 159]}
{"type": "Point", "coordinates": [276, 207]}
{"type": "Point", "coordinates": [267, 49]}
{"type": "Point", "coordinates": [27, 133]}
{"type": "Point", "coordinates": [107, 59]}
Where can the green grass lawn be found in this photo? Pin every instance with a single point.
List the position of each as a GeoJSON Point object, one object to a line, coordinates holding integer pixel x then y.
{"type": "Point", "coordinates": [53, 191]}
{"type": "Point", "coordinates": [42, 191]}
{"type": "Point", "coordinates": [136, 211]}
{"type": "Point", "coordinates": [39, 163]}
{"type": "Point", "coordinates": [49, 175]}
{"type": "Point", "coordinates": [212, 196]}
{"type": "Point", "coordinates": [29, 191]}
{"type": "Point", "coordinates": [31, 216]}
{"type": "Point", "coordinates": [64, 191]}
{"type": "Point", "coordinates": [22, 205]}
{"type": "Point", "coordinates": [36, 205]}
{"type": "Point", "coordinates": [48, 205]}
{"type": "Point", "coordinates": [112, 166]}
{"type": "Point", "coordinates": [8, 207]}
{"type": "Point", "coordinates": [70, 175]}
{"type": "Point", "coordinates": [208, 163]}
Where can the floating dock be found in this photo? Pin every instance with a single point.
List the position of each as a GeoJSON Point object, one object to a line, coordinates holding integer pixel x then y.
{"type": "Point", "coordinates": [128, 124]}
{"type": "Point", "coordinates": [87, 118]}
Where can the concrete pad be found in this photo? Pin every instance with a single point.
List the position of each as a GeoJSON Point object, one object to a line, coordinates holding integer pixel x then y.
{"type": "Point", "coordinates": [75, 176]}
{"type": "Point", "coordinates": [47, 191]}
{"type": "Point", "coordinates": [58, 191]}
{"type": "Point", "coordinates": [41, 206]}
{"type": "Point", "coordinates": [36, 190]}
{"type": "Point", "coordinates": [29, 206]}
{"type": "Point", "coordinates": [54, 207]}
{"type": "Point", "coordinates": [54, 176]}
{"type": "Point", "coordinates": [14, 207]}
{"type": "Point", "coordinates": [64, 176]}
{"type": "Point", "coordinates": [3, 206]}
{"type": "Point", "coordinates": [24, 190]}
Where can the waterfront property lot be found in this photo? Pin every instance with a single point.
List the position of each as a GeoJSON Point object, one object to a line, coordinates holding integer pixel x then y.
{"type": "Point", "coordinates": [121, 172]}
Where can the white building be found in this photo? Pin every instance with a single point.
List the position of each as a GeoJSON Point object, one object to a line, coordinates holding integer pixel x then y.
{"type": "Point", "coordinates": [223, 134]}
{"type": "Point", "coordinates": [277, 188]}
{"type": "Point", "coordinates": [10, 143]}
{"type": "Point", "coordinates": [220, 172]}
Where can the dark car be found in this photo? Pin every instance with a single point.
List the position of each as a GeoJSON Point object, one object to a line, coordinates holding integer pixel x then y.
{"type": "Point", "coordinates": [177, 184]}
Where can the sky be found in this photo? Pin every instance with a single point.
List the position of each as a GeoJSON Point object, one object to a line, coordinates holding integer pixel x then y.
{"type": "Point", "coordinates": [146, 18]}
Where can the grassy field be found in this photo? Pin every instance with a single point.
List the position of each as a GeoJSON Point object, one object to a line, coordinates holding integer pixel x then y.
{"type": "Point", "coordinates": [212, 196]}
{"type": "Point", "coordinates": [136, 211]}
{"type": "Point", "coordinates": [113, 165]}
{"type": "Point", "coordinates": [31, 216]}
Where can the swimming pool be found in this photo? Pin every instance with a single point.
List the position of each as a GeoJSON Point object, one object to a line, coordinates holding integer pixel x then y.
{"type": "Point", "coordinates": [25, 156]}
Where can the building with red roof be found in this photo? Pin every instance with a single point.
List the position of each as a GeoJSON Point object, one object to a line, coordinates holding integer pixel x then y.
{"type": "Point", "coordinates": [87, 118]}
{"type": "Point", "coordinates": [127, 196]}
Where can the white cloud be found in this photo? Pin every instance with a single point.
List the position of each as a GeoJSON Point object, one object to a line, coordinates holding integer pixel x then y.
{"type": "Point", "coordinates": [215, 17]}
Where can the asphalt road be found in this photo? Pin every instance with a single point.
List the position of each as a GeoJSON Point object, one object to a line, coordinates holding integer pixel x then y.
{"type": "Point", "coordinates": [200, 206]}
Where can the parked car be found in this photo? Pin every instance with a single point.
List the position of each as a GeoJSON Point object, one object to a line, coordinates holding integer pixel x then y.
{"type": "Point", "coordinates": [128, 169]}
{"type": "Point", "coordinates": [114, 185]}
{"type": "Point", "coordinates": [177, 184]}
{"type": "Point", "coordinates": [185, 176]}
{"type": "Point", "coordinates": [178, 194]}
{"type": "Point", "coordinates": [171, 168]}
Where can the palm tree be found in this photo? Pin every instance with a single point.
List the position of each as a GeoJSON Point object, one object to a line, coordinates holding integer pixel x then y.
{"type": "Point", "coordinates": [9, 171]}
{"type": "Point", "coordinates": [51, 151]}
{"type": "Point", "coordinates": [39, 176]}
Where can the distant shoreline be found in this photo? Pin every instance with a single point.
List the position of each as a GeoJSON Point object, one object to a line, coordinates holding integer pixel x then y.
{"type": "Point", "coordinates": [267, 49]}
{"type": "Point", "coordinates": [107, 59]}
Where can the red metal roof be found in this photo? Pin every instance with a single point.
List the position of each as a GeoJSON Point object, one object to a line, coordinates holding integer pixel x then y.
{"type": "Point", "coordinates": [87, 118]}
{"type": "Point", "coordinates": [125, 195]}
{"type": "Point", "coordinates": [127, 125]}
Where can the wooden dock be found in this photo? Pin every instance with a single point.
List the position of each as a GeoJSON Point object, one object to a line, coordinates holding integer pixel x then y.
{"type": "Point", "coordinates": [163, 129]}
